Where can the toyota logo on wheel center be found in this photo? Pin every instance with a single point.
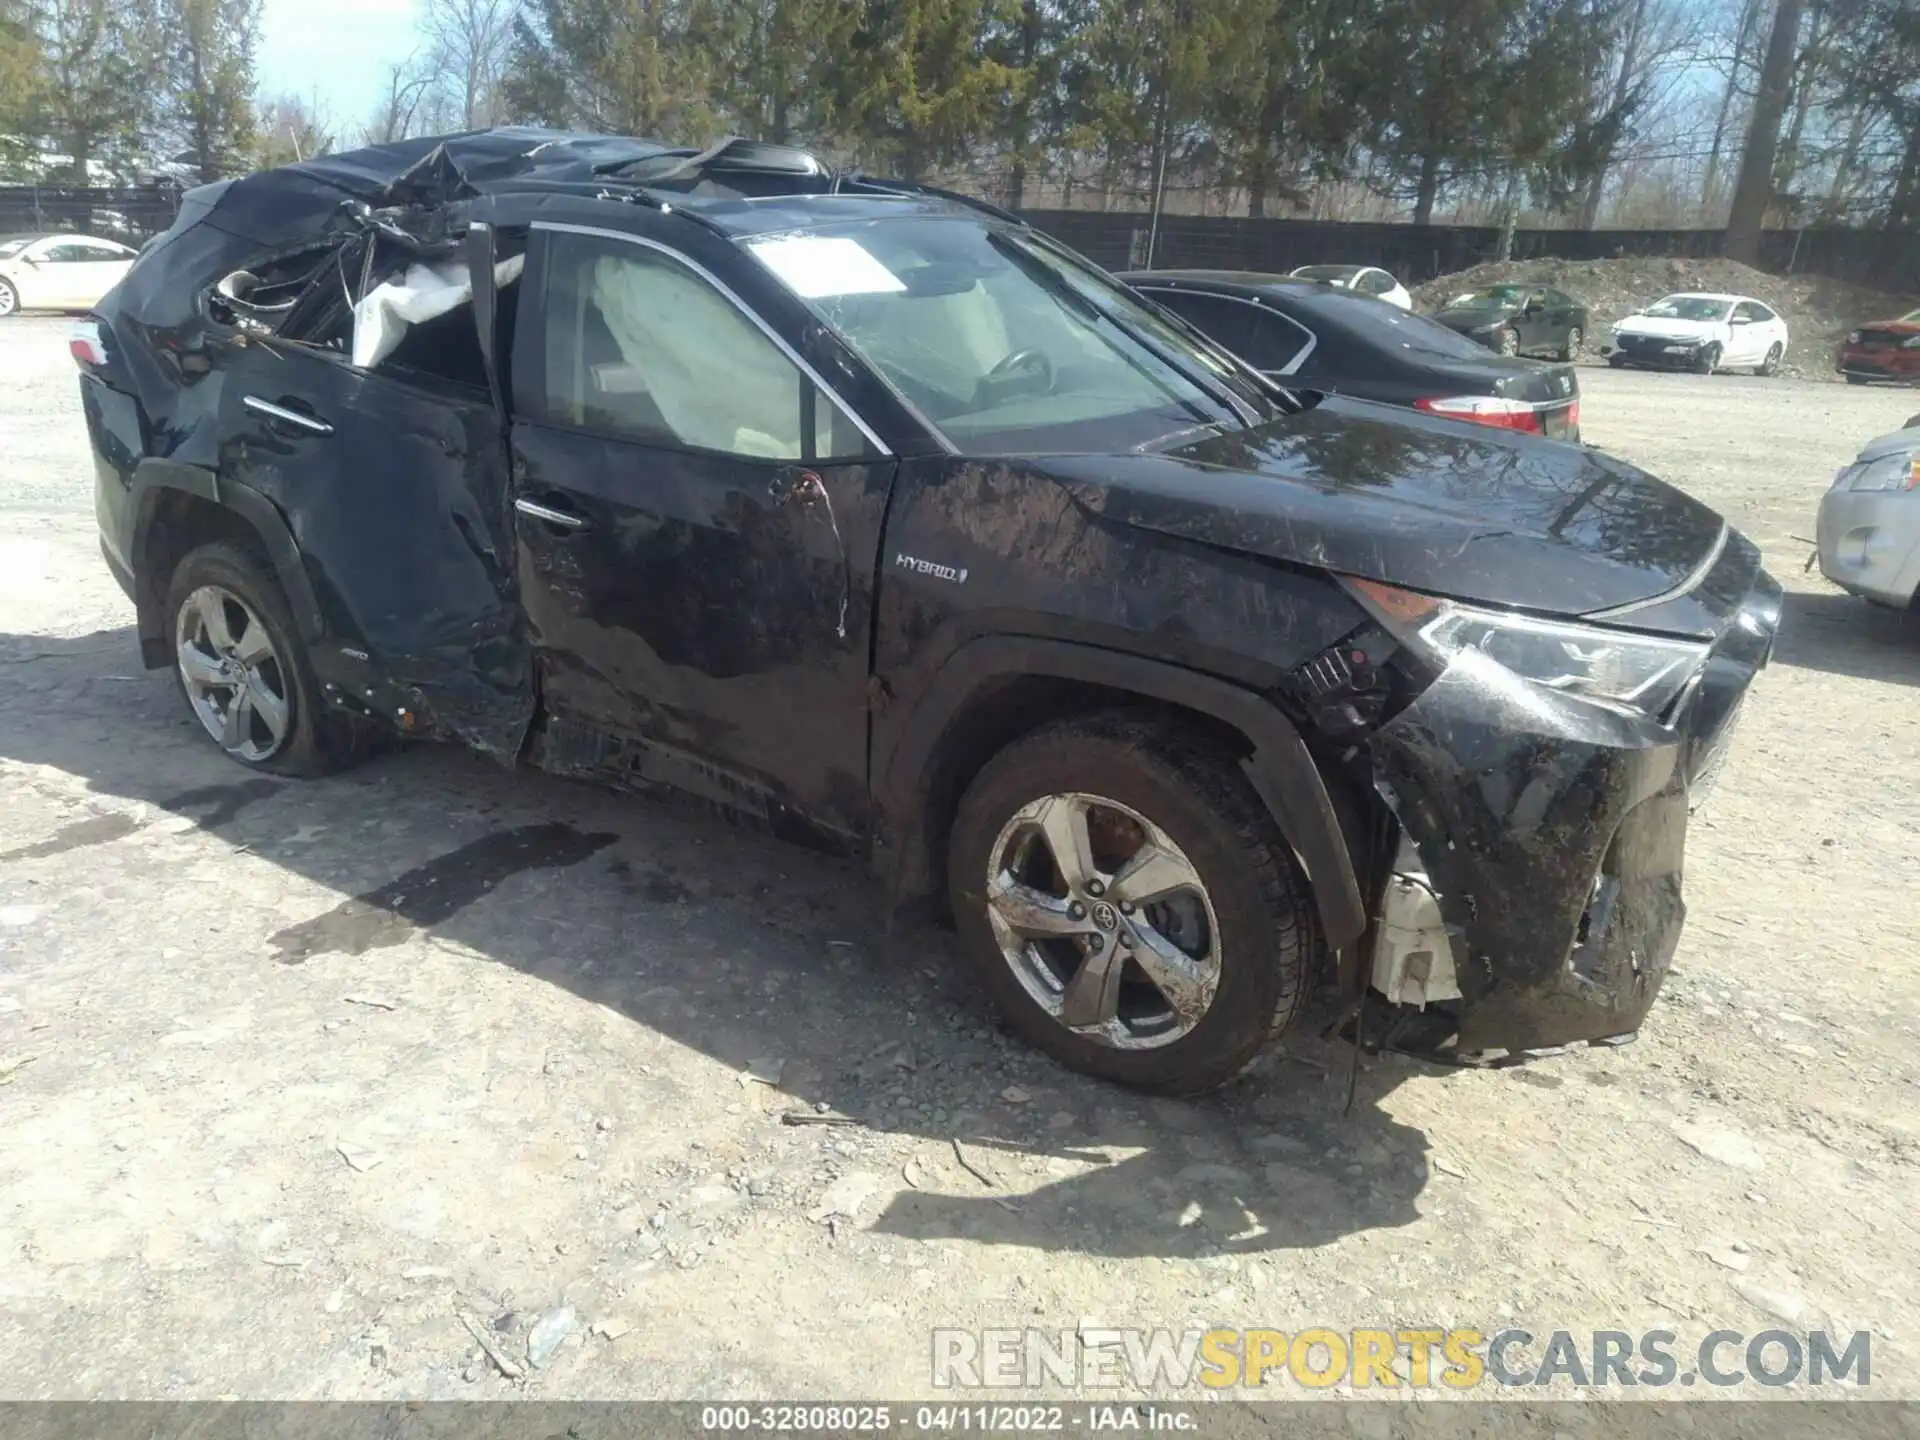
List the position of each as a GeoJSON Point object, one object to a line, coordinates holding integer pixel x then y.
{"type": "Point", "coordinates": [1104, 915]}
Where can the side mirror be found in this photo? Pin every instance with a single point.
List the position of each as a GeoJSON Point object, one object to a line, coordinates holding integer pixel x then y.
{"type": "Point", "coordinates": [33, 260]}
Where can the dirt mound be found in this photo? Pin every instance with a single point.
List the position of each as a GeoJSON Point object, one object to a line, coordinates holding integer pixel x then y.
{"type": "Point", "coordinates": [1818, 311]}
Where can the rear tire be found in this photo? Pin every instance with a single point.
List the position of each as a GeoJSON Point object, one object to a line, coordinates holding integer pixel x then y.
{"type": "Point", "coordinates": [9, 300]}
{"type": "Point", "coordinates": [1771, 365]}
{"type": "Point", "coordinates": [1508, 341]}
{"type": "Point", "coordinates": [233, 634]}
{"type": "Point", "coordinates": [1243, 914]}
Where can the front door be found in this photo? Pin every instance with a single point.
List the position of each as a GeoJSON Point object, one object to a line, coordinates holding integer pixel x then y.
{"type": "Point", "coordinates": [698, 522]}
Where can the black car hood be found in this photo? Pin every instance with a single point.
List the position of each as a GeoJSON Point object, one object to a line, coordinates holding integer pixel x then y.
{"type": "Point", "coordinates": [1430, 504]}
{"type": "Point", "coordinates": [1478, 317]}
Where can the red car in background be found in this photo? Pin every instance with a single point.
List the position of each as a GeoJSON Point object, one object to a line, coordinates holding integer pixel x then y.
{"type": "Point", "coordinates": [1883, 350]}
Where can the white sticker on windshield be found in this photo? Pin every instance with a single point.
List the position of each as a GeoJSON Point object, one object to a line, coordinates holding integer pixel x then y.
{"type": "Point", "coordinates": [819, 267]}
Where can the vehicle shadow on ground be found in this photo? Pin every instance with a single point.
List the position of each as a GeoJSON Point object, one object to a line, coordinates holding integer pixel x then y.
{"type": "Point", "coordinates": [1841, 634]}
{"type": "Point", "coordinates": [1277, 1161]}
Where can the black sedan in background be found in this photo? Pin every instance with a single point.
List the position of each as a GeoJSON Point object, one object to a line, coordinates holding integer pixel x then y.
{"type": "Point", "coordinates": [1519, 320]}
{"type": "Point", "coordinates": [1319, 337]}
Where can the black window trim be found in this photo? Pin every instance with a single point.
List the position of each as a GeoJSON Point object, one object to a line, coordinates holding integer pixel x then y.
{"type": "Point", "coordinates": [679, 257]}
{"type": "Point", "coordinates": [1292, 367]}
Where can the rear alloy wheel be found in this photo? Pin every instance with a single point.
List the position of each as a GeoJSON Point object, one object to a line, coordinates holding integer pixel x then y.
{"type": "Point", "coordinates": [235, 680]}
{"type": "Point", "coordinates": [1571, 350]}
{"type": "Point", "coordinates": [1771, 365]}
{"type": "Point", "coordinates": [9, 300]}
{"type": "Point", "coordinates": [1508, 340]}
{"type": "Point", "coordinates": [1707, 360]}
{"type": "Point", "coordinates": [244, 672]}
{"type": "Point", "coordinates": [1129, 903]}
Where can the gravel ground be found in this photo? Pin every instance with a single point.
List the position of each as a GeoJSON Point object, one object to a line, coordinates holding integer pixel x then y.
{"type": "Point", "coordinates": [294, 1077]}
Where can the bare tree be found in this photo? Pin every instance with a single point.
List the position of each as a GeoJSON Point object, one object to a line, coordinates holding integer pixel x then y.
{"type": "Point", "coordinates": [468, 42]}
{"type": "Point", "coordinates": [1754, 190]}
{"type": "Point", "coordinates": [292, 128]}
{"type": "Point", "coordinates": [405, 104]}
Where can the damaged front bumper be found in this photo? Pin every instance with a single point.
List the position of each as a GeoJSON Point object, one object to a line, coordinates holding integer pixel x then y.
{"type": "Point", "coordinates": [1535, 901]}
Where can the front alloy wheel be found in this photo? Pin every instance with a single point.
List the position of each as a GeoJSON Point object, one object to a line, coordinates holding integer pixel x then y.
{"type": "Point", "coordinates": [1509, 341]}
{"type": "Point", "coordinates": [9, 300]}
{"type": "Point", "coordinates": [1128, 902]}
{"type": "Point", "coordinates": [1104, 921]}
{"type": "Point", "coordinates": [236, 681]}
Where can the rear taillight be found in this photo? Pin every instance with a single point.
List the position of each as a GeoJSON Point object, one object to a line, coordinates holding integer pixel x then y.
{"type": "Point", "coordinates": [1494, 410]}
{"type": "Point", "coordinates": [1573, 415]}
{"type": "Point", "coordinates": [86, 346]}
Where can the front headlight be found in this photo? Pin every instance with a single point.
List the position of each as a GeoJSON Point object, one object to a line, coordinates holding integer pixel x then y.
{"type": "Point", "coordinates": [1640, 675]}
{"type": "Point", "coordinates": [1889, 472]}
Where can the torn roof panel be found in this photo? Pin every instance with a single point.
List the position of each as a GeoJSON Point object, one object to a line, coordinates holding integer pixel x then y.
{"type": "Point", "coordinates": [307, 200]}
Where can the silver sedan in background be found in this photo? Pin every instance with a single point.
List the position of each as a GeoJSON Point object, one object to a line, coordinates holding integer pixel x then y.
{"type": "Point", "coordinates": [1870, 521]}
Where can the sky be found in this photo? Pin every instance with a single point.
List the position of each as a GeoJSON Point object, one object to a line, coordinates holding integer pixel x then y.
{"type": "Point", "coordinates": [337, 52]}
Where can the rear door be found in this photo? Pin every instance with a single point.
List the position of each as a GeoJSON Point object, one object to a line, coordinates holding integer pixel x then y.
{"type": "Point", "coordinates": [58, 278]}
{"type": "Point", "coordinates": [100, 269]}
{"type": "Point", "coordinates": [394, 486]}
{"type": "Point", "coordinates": [698, 519]}
{"type": "Point", "coordinates": [1752, 333]}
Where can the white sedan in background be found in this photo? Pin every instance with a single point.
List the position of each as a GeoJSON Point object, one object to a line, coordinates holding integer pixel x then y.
{"type": "Point", "coordinates": [1702, 333]}
{"type": "Point", "coordinates": [59, 272]}
{"type": "Point", "coordinates": [1365, 279]}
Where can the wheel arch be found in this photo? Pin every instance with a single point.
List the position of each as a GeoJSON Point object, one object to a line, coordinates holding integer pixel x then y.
{"type": "Point", "coordinates": [178, 507]}
{"type": "Point", "coordinates": [992, 690]}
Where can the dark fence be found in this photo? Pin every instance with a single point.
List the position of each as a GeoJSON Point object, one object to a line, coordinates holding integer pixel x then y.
{"type": "Point", "coordinates": [129, 214]}
{"type": "Point", "coordinates": [1418, 253]}
{"type": "Point", "coordinates": [1118, 241]}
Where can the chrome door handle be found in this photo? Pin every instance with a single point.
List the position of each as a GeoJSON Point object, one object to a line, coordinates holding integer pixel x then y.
{"type": "Point", "coordinates": [311, 424]}
{"type": "Point", "coordinates": [565, 519]}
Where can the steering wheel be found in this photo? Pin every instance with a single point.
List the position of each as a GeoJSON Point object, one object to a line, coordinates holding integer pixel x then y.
{"type": "Point", "coordinates": [1021, 366]}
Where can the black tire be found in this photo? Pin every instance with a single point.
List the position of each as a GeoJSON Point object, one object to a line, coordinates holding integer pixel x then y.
{"type": "Point", "coordinates": [9, 301]}
{"type": "Point", "coordinates": [1507, 342]}
{"type": "Point", "coordinates": [1707, 361]}
{"type": "Point", "coordinates": [319, 740]}
{"type": "Point", "coordinates": [1268, 933]}
{"type": "Point", "coordinates": [1771, 365]}
{"type": "Point", "coordinates": [1571, 350]}
{"type": "Point", "coordinates": [1616, 362]}
{"type": "Point", "coordinates": [1856, 380]}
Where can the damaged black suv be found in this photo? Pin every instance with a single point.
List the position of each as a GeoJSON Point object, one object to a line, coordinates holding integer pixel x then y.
{"type": "Point", "coordinates": [871, 512]}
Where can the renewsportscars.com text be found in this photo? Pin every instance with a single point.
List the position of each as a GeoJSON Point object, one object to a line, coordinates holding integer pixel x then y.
{"type": "Point", "coordinates": [1418, 1359]}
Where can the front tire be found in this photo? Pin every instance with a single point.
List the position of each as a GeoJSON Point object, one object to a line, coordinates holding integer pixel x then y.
{"type": "Point", "coordinates": [1707, 361]}
{"type": "Point", "coordinates": [1508, 342]}
{"type": "Point", "coordinates": [1571, 350]}
{"type": "Point", "coordinates": [1129, 903]}
{"type": "Point", "coordinates": [1856, 380]}
{"type": "Point", "coordinates": [243, 670]}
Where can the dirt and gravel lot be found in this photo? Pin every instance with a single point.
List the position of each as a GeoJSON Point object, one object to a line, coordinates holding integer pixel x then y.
{"type": "Point", "coordinates": [296, 1079]}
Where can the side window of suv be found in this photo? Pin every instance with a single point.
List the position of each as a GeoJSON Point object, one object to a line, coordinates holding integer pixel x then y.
{"type": "Point", "coordinates": [641, 346]}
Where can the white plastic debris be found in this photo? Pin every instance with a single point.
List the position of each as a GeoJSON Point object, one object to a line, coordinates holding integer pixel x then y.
{"type": "Point", "coordinates": [381, 317]}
